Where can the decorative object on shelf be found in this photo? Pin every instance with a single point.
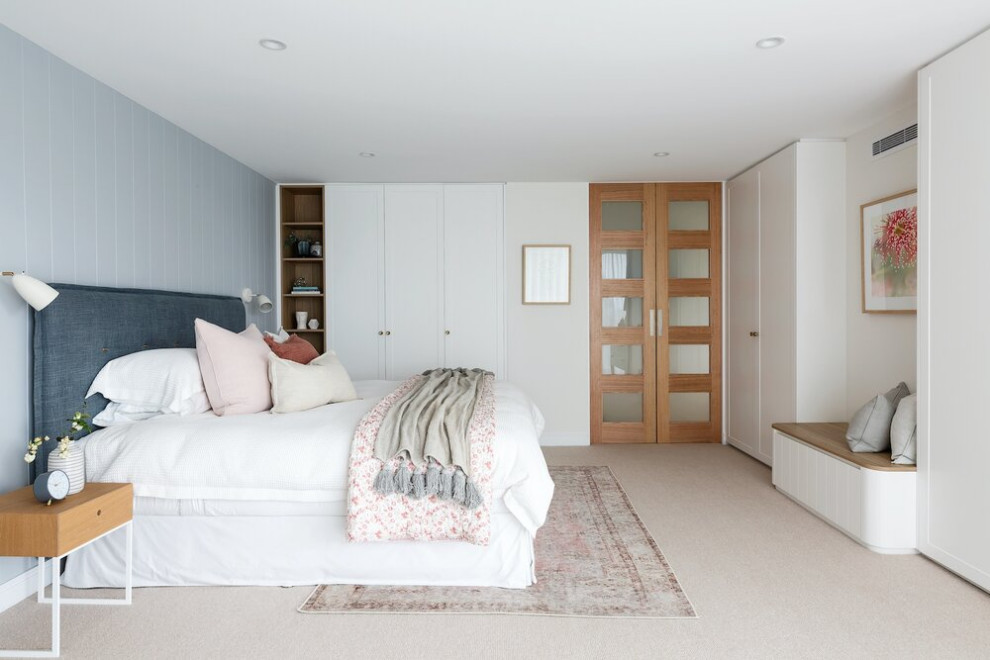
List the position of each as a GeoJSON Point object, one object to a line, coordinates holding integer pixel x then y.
{"type": "Point", "coordinates": [52, 485]}
{"type": "Point", "coordinates": [290, 241]}
{"type": "Point", "coordinates": [314, 324]}
{"type": "Point", "coordinates": [301, 320]}
{"type": "Point", "coordinates": [302, 247]}
{"type": "Point", "coordinates": [66, 457]}
{"type": "Point", "coordinates": [316, 250]}
{"type": "Point", "coordinates": [34, 292]}
{"type": "Point", "coordinates": [546, 274]}
{"type": "Point", "coordinates": [261, 302]}
{"type": "Point", "coordinates": [890, 254]}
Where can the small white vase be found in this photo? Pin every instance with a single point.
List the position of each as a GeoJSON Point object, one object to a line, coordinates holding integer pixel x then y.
{"type": "Point", "coordinates": [74, 466]}
{"type": "Point", "coordinates": [301, 320]}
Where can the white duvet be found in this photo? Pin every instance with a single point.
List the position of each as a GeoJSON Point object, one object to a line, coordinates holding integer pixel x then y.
{"type": "Point", "coordinates": [298, 457]}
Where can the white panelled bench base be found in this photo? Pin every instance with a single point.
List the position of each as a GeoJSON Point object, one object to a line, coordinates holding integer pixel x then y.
{"type": "Point", "coordinates": [863, 495]}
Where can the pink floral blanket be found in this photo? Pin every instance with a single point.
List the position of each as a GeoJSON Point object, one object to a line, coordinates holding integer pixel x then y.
{"type": "Point", "coordinates": [373, 516]}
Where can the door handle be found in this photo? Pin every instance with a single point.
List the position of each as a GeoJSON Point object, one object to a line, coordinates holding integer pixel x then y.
{"type": "Point", "coordinates": [659, 323]}
{"type": "Point", "coordinates": [653, 323]}
{"type": "Point", "coordinates": [754, 333]}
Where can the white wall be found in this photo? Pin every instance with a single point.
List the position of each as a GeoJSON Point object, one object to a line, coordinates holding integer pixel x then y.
{"type": "Point", "coordinates": [880, 347]}
{"type": "Point", "coordinates": [548, 344]}
{"type": "Point", "coordinates": [96, 189]}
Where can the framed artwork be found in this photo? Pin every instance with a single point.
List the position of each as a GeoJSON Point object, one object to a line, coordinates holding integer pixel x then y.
{"type": "Point", "coordinates": [890, 254]}
{"type": "Point", "coordinates": [546, 274]}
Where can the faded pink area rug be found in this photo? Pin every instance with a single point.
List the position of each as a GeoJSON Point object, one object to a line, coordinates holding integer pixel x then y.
{"type": "Point", "coordinates": [594, 557]}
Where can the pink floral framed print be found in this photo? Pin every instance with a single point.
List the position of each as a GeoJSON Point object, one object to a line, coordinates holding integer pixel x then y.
{"type": "Point", "coordinates": [890, 254]}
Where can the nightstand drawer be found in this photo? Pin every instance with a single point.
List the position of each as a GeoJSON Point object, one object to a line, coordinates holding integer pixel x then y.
{"type": "Point", "coordinates": [31, 529]}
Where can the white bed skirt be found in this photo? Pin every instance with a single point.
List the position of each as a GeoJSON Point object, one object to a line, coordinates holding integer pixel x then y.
{"type": "Point", "coordinates": [184, 550]}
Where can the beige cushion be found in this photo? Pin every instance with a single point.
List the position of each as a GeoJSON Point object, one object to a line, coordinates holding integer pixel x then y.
{"type": "Point", "coordinates": [869, 429]}
{"type": "Point", "coordinates": [297, 387]}
{"type": "Point", "coordinates": [234, 367]}
{"type": "Point", "coordinates": [904, 432]}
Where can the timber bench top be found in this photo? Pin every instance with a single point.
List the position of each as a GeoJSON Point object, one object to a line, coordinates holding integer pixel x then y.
{"type": "Point", "coordinates": [830, 437]}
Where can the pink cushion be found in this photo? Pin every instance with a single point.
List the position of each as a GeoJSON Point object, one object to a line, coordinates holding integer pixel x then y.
{"type": "Point", "coordinates": [294, 348]}
{"type": "Point", "coordinates": [235, 369]}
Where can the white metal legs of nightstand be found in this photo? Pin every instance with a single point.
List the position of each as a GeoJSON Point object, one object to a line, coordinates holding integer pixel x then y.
{"type": "Point", "coordinates": [57, 601]}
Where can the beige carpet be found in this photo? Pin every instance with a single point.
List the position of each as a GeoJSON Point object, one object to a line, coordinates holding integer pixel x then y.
{"type": "Point", "coordinates": [767, 579]}
{"type": "Point", "coordinates": [594, 557]}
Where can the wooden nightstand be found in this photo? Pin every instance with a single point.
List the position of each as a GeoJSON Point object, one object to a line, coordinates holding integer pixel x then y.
{"type": "Point", "coordinates": [31, 529]}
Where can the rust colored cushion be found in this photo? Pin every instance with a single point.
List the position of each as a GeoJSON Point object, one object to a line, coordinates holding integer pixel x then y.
{"type": "Point", "coordinates": [294, 348]}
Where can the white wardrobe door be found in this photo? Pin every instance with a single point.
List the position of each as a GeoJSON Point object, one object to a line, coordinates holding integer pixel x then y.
{"type": "Point", "coordinates": [953, 315]}
{"type": "Point", "coordinates": [744, 312]}
{"type": "Point", "coordinates": [472, 236]}
{"type": "Point", "coordinates": [413, 309]}
{"type": "Point", "coordinates": [778, 206]}
{"type": "Point", "coordinates": [355, 252]}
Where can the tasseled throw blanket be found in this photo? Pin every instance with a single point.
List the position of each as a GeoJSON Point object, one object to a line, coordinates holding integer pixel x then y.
{"type": "Point", "coordinates": [423, 441]}
{"type": "Point", "coordinates": [422, 461]}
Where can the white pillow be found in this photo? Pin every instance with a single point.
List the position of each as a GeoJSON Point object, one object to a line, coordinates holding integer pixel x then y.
{"type": "Point", "coordinates": [297, 387]}
{"type": "Point", "coordinates": [122, 413]}
{"type": "Point", "coordinates": [160, 379]}
{"type": "Point", "coordinates": [281, 336]}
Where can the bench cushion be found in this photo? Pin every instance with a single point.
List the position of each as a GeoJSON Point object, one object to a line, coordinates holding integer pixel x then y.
{"type": "Point", "coordinates": [869, 429]}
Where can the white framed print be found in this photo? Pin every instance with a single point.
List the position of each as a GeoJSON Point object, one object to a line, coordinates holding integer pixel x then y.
{"type": "Point", "coordinates": [546, 274]}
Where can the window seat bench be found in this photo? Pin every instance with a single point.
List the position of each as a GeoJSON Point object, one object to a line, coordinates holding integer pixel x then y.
{"type": "Point", "coordinates": [862, 494]}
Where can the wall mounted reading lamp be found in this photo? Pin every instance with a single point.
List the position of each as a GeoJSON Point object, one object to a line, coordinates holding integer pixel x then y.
{"type": "Point", "coordinates": [35, 292]}
{"type": "Point", "coordinates": [261, 302]}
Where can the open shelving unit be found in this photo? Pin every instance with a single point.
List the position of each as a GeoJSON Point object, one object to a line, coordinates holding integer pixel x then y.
{"type": "Point", "coordinates": [301, 213]}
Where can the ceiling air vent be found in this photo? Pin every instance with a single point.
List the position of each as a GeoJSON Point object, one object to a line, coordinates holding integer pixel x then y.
{"type": "Point", "coordinates": [895, 141]}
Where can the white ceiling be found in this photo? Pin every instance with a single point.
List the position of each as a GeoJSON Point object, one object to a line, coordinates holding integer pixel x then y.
{"type": "Point", "coordinates": [507, 90]}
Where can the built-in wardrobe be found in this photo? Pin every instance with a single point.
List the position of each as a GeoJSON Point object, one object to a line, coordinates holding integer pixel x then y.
{"type": "Point", "coordinates": [953, 316]}
{"type": "Point", "coordinates": [415, 277]}
{"type": "Point", "coordinates": [656, 312]}
{"type": "Point", "coordinates": [786, 294]}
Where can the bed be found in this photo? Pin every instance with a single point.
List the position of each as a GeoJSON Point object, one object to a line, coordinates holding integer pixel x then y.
{"type": "Point", "coordinates": [256, 499]}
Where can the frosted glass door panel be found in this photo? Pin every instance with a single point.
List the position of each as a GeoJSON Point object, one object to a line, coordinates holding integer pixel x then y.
{"type": "Point", "coordinates": [622, 360]}
{"type": "Point", "coordinates": [689, 359]}
{"type": "Point", "coordinates": [688, 264]}
{"type": "Point", "coordinates": [688, 216]}
{"type": "Point", "coordinates": [689, 312]}
{"type": "Point", "coordinates": [622, 312]}
{"type": "Point", "coordinates": [622, 216]}
{"type": "Point", "coordinates": [689, 407]}
{"type": "Point", "coordinates": [622, 264]}
{"type": "Point", "coordinates": [622, 407]}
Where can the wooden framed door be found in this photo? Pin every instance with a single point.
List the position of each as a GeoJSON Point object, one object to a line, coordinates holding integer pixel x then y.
{"type": "Point", "coordinates": [656, 351]}
{"type": "Point", "coordinates": [689, 291]}
{"type": "Point", "coordinates": [623, 288]}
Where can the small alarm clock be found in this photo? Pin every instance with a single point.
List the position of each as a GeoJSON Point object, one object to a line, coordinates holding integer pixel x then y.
{"type": "Point", "coordinates": [50, 486]}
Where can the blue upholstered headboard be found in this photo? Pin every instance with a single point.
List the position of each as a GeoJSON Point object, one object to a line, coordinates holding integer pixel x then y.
{"type": "Point", "coordinates": [87, 326]}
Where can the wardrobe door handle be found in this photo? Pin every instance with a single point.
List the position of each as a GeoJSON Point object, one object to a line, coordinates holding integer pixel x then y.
{"type": "Point", "coordinates": [754, 333]}
{"type": "Point", "coordinates": [388, 332]}
{"type": "Point", "coordinates": [381, 332]}
{"type": "Point", "coordinates": [446, 332]}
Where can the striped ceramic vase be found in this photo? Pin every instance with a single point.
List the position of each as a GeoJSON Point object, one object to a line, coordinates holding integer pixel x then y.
{"type": "Point", "coordinates": [74, 466]}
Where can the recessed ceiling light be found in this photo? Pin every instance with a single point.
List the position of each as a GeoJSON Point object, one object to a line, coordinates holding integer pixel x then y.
{"type": "Point", "coordinates": [366, 154]}
{"type": "Point", "coordinates": [661, 154]}
{"type": "Point", "coordinates": [272, 44]}
{"type": "Point", "coordinates": [770, 42]}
